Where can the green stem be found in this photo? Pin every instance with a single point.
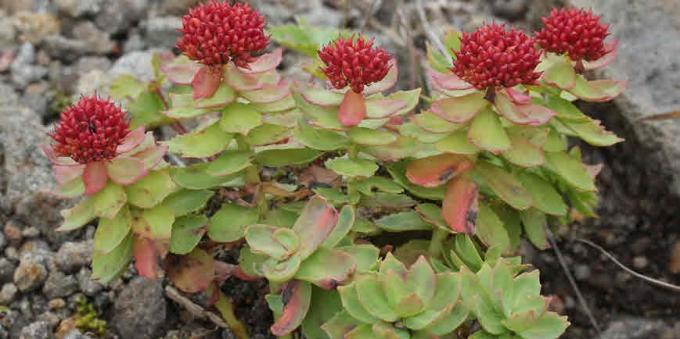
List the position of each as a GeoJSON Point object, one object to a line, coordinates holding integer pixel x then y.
{"type": "Point", "coordinates": [437, 242]}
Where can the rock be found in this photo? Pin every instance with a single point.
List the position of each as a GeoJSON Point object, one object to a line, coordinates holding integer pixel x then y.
{"type": "Point", "coordinates": [8, 96]}
{"type": "Point", "coordinates": [13, 232]}
{"type": "Point", "coordinates": [582, 272]}
{"type": "Point", "coordinates": [26, 176]}
{"type": "Point", "coordinates": [23, 69]}
{"type": "Point", "coordinates": [7, 293]}
{"type": "Point", "coordinates": [162, 31]}
{"type": "Point", "coordinates": [118, 16]}
{"type": "Point", "coordinates": [74, 255]}
{"type": "Point", "coordinates": [62, 48]}
{"type": "Point", "coordinates": [7, 32]}
{"type": "Point", "coordinates": [12, 254]}
{"type": "Point", "coordinates": [37, 249]}
{"type": "Point", "coordinates": [140, 309]}
{"type": "Point", "coordinates": [134, 42]}
{"type": "Point", "coordinates": [137, 64]}
{"type": "Point", "coordinates": [37, 330]}
{"type": "Point", "coordinates": [640, 262]}
{"type": "Point", "coordinates": [97, 42]}
{"type": "Point", "coordinates": [30, 274]}
{"type": "Point", "coordinates": [509, 9]}
{"type": "Point", "coordinates": [653, 76]}
{"type": "Point", "coordinates": [638, 328]}
{"type": "Point", "coordinates": [37, 97]}
{"type": "Point", "coordinates": [76, 334]}
{"type": "Point", "coordinates": [87, 64]}
{"type": "Point", "coordinates": [59, 285]}
{"type": "Point", "coordinates": [6, 269]}
{"type": "Point", "coordinates": [176, 7]}
{"type": "Point", "coordinates": [56, 304]}
{"type": "Point", "coordinates": [3, 241]}
{"type": "Point", "coordinates": [34, 27]}
{"type": "Point", "coordinates": [30, 232]}
{"type": "Point", "coordinates": [88, 286]}
{"type": "Point", "coordinates": [76, 8]}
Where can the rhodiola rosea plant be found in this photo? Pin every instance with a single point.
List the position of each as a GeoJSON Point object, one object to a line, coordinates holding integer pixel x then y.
{"type": "Point", "coordinates": [371, 213]}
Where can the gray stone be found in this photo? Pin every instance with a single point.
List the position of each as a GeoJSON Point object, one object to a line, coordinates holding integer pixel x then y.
{"type": "Point", "coordinates": [37, 249]}
{"type": "Point", "coordinates": [162, 31]}
{"type": "Point", "coordinates": [76, 8]}
{"type": "Point", "coordinates": [59, 285]}
{"type": "Point", "coordinates": [76, 334]}
{"type": "Point", "coordinates": [137, 64]}
{"type": "Point", "coordinates": [30, 274]}
{"type": "Point", "coordinates": [88, 286]}
{"type": "Point", "coordinates": [74, 255]}
{"type": "Point", "coordinates": [509, 9]}
{"type": "Point", "coordinates": [648, 32]}
{"type": "Point", "coordinates": [134, 42]}
{"type": "Point", "coordinates": [8, 293]}
{"type": "Point", "coordinates": [176, 7]}
{"type": "Point", "coordinates": [140, 309]}
{"type": "Point", "coordinates": [37, 330]}
{"type": "Point", "coordinates": [97, 41]}
{"type": "Point", "coordinates": [3, 241]}
{"type": "Point", "coordinates": [7, 32]}
{"type": "Point", "coordinates": [23, 69]}
{"type": "Point", "coordinates": [37, 97]}
{"type": "Point", "coordinates": [639, 328]}
{"type": "Point", "coordinates": [87, 64]}
{"type": "Point", "coordinates": [118, 16]}
{"type": "Point", "coordinates": [25, 174]}
{"type": "Point", "coordinates": [8, 96]}
{"type": "Point", "coordinates": [6, 269]}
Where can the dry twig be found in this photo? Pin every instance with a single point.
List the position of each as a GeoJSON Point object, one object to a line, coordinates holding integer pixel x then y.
{"type": "Point", "coordinates": [431, 35]}
{"type": "Point", "coordinates": [193, 308]}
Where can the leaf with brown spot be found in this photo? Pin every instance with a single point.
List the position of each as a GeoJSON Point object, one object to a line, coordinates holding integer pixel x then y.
{"type": "Point", "coordinates": [315, 223]}
{"type": "Point", "coordinates": [297, 296]}
{"type": "Point", "coordinates": [147, 258]}
{"type": "Point", "coordinates": [436, 170]}
{"type": "Point", "coordinates": [193, 272]}
{"type": "Point", "coordinates": [459, 207]}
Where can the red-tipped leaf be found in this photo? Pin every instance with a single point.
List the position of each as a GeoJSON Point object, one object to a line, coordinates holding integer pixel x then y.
{"type": "Point", "coordinates": [459, 207]}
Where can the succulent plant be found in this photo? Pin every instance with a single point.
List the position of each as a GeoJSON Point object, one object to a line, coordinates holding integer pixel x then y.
{"type": "Point", "coordinates": [399, 302]}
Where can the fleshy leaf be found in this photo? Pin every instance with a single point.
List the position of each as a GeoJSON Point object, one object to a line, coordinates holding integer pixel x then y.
{"type": "Point", "coordinates": [437, 170]}
{"type": "Point", "coordinates": [403, 221]}
{"type": "Point", "coordinates": [107, 266]}
{"type": "Point", "coordinates": [126, 171]}
{"type": "Point", "coordinates": [285, 155]}
{"type": "Point", "coordinates": [597, 90]}
{"type": "Point", "coordinates": [523, 152]}
{"type": "Point", "coordinates": [111, 232]}
{"type": "Point", "coordinates": [491, 230]}
{"type": "Point", "coordinates": [205, 82]}
{"type": "Point", "coordinates": [187, 231]}
{"type": "Point", "coordinates": [95, 177]}
{"type": "Point", "coordinates": [147, 258]}
{"type": "Point", "coordinates": [522, 114]}
{"type": "Point", "coordinates": [240, 118]}
{"type": "Point", "coordinates": [459, 206]}
{"type": "Point", "coordinates": [267, 134]}
{"type": "Point", "coordinates": [109, 201]}
{"type": "Point", "coordinates": [543, 194]}
{"type": "Point", "coordinates": [549, 325]}
{"type": "Point", "coordinates": [433, 123]}
{"type": "Point", "coordinates": [192, 273]}
{"type": "Point", "coordinates": [195, 177]}
{"type": "Point", "coordinates": [505, 185]}
{"type": "Point", "coordinates": [535, 224]}
{"type": "Point", "coordinates": [155, 224]}
{"type": "Point", "coordinates": [371, 137]}
{"type": "Point", "coordinates": [570, 169]}
{"type": "Point", "coordinates": [487, 132]}
{"type": "Point", "coordinates": [315, 224]}
{"type": "Point", "coordinates": [274, 242]}
{"type": "Point", "coordinates": [352, 305]}
{"type": "Point", "coordinates": [184, 202]}
{"type": "Point", "coordinates": [448, 81]}
{"type": "Point", "coordinates": [326, 268]}
{"type": "Point", "coordinates": [457, 143]}
{"type": "Point", "coordinates": [342, 227]}
{"type": "Point", "coordinates": [268, 93]}
{"type": "Point", "coordinates": [146, 111]}
{"type": "Point", "coordinates": [460, 109]}
{"type": "Point", "coordinates": [352, 167]}
{"type": "Point", "coordinates": [229, 162]}
{"type": "Point", "coordinates": [230, 222]}
{"type": "Point", "coordinates": [299, 296]}
{"type": "Point", "coordinates": [319, 139]}
{"type": "Point", "coordinates": [78, 215]}
{"type": "Point", "coordinates": [265, 62]}
{"type": "Point", "coordinates": [321, 97]}
{"type": "Point", "coordinates": [352, 109]}
{"type": "Point", "coordinates": [372, 297]}
{"type": "Point", "coordinates": [383, 108]}
{"type": "Point", "coordinates": [561, 74]}
{"type": "Point", "coordinates": [151, 190]}
{"type": "Point", "coordinates": [203, 143]}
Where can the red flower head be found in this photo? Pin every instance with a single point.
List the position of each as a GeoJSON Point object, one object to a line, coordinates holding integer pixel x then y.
{"type": "Point", "coordinates": [354, 62]}
{"type": "Point", "coordinates": [215, 33]}
{"type": "Point", "coordinates": [493, 56]}
{"type": "Point", "coordinates": [576, 32]}
{"type": "Point", "coordinates": [90, 131]}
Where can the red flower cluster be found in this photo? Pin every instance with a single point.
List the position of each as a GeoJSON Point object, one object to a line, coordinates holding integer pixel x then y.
{"type": "Point", "coordinates": [493, 56]}
{"type": "Point", "coordinates": [576, 32]}
{"type": "Point", "coordinates": [217, 32]}
{"type": "Point", "coordinates": [354, 62]}
{"type": "Point", "coordinates": [90, 130]}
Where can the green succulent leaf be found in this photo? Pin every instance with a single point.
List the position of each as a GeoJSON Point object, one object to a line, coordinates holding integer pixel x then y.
{"type": "Point", "coordinates": [185, 201]}
{"type": "Point", "coordinates": [371, 137]}
{"type": "Point", "coordinates": [543, 194]}
{"type": "Point", "coordinates": [240, 118]}
{"type": "Point", "coordinates": [267, 134]}
{"type": "Point", "coordinates": [280, 271]}
{"type": "Point", "coordinates": [187, 231]}
{"type": "Point", "coordinates": [447, 291]}
{"type": "Point", "coordinates": [228, 163]}
{"type": "Point", "coordinates": [315, 224]}
{"type": "Point", "coordinates": [182, 107]}
{"type": "Point", "coordinates": [461, 109]}
{"type": "Point", "coordinates": [523, 152]}
{"type": "Point", "coordinates": [111, 232]}
{"type": "Point", "coordinates": [384, 330]}
{"type": "Point", "coordinates": [196, 177]}
{"type": "Point", "coordinates": [365, 256]}
{"type": "Point", "coordinates": [126, 86]}
{"type": "Point", "coordinates": [505, 185]}
{"type": "Point", "coordinates": [430, 122]}
{"type": "Point", "coordinates": [352, 167]}
{"type": "Point", "coordinates": [352, 305]}
{"type": "Point", "coordinates": [202, 143]}
{"type": "Point", "coordinates": [398, 173]}
{"type": "Point", "coordinates": [325, 305]}
{"type": "Point", "coordinates": [403, 221]}
{"type": "Point", "coordinates": [145, 110]}
{"type": "Point", "coordinates": [372, 297]}
{"type": "Point", "coordinates": [78, 215]}
{"type": "Point", "coordinates": [549, 325]}
{"type": "Point", "coordinates": [294, 309]}
{"type": "Point", "coordinates": [151, 190]}
{"type": "Point", "coordinates": [277, 243]}
{"type": "Point", "coordinates": [422, 280]}
{"type": "Point", "coordinates": [571, 170]}
{"type": "Point", "coordinates": [422, 320]}
{"type": "Point", "coordinates": [535, 224]}
{"type": "Point", "coordinates": [155, 223]}
{"type": "Point", "coordinates": [302, 37]}
{"type": "Point", "coordinates": [340, 324]}
{"type": "Point", "coordinates": [491, 230]}
{"type": "Point", "coordinates": [342, 227]}
{"type": "Point", "coordinates": [449, 320]}
{"type": "Point", "coordinates": [230, 222]}
{"type": "Point", "coordinates": [285, 155]}
{"type": "Point", "coordinates": [487, 132]}
{"type": "Point", "coordinates": [108, 266]}
{"type": "Point", "coordinates": [326, 268]}
{"type": "Point", "coordinates": [467, 251]}
{"type": "Point", "coordinates": [319, 139]}
{"type": "Point", "coordinates": [457, 143]}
